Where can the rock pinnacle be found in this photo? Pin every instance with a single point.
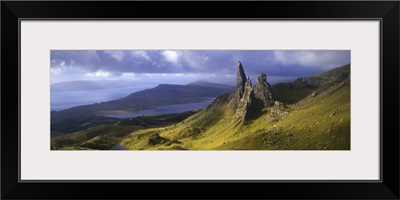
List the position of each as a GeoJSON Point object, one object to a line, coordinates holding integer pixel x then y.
{"type": "Point", "coordinates": [241, 76]}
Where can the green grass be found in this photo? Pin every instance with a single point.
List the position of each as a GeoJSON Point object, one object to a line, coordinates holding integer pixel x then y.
{"type": "Point", "coordinates": [317, 117]}
{"type": "Point", "coordinates": [292, 92]}
{"type": "Point", "coordinates": [289, 93]}
{"type": "Point", "coordinates": [321, 122]}
{"type": "Point", "coordinates": [105, 136]}
{"type": "Point", "coordinates": [99, 137]}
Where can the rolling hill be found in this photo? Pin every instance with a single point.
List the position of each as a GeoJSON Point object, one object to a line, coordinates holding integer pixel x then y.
{"type": "Point", "coordinates": [80, 117]}
{"type": "Point", "coordinates": [310, 113]}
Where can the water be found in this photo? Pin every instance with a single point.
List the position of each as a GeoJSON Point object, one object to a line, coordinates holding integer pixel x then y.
{"type": "Point", "coordinates": [168, 109]}
{"type": "Point", "coordinates": [118, 146]}
{"type": "Point", "coordinates": [65, 100]}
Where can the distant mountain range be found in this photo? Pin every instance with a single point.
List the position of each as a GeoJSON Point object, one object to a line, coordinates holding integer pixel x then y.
{"type": "Point", "coordinates": [164, 94]}
{"type": "Point", "coordinates": [81, 85]}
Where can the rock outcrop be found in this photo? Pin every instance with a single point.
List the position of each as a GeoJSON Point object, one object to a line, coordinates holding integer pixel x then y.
{"type": "Point", "coordinates": [241, 82]}
{"type": "Point", "coordinates": [263, 91]}
{"type": "Point", "coordinates": [278, 111]}
{"type": "Point", "coordinates": [248, 101]}
{"type": "Point", "coordinates": [241, 76]}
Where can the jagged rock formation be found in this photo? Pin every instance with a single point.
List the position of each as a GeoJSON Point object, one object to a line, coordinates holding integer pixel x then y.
{"type": "Point", "coordinates": [278, 112]}
{"type": "Point", "coordinates": [263, 91]}
{"type": "Point", "coordinates": [241, 82]}
{"type": "Point", "coordinates": [248, 101]}
{"type": "Point", "coordinates": [241, 76]}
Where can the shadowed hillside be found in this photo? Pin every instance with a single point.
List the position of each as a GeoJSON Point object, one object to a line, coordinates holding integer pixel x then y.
{"type": "Point", "coordinates": [293, 92]}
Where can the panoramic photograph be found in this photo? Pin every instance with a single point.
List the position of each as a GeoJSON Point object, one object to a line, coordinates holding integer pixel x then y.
{"type": "Point", "coordinates": [200, 99]}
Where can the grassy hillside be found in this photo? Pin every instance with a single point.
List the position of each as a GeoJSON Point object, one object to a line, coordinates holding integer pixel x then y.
{"type": "Point", "coordinates": [104, 136]}
{"type": "Point", "coordinates": [315, 115]}
{"type": "Point", "coordinates": [86, 116]}
{"type": "Point", "coordinates": [323, 122]}
{"type": "Point", "coordinates": [292, 92]}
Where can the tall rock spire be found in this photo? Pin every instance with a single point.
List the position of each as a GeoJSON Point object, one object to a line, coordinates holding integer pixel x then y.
{"type": "Point", "coordinates": [245, 103]}
{"type": "Point", "coordinates": [249, 101]}
{"type": "Point", "coordinates": [241, 76]}
{"type": "Point", "coordinates": [240, 85]}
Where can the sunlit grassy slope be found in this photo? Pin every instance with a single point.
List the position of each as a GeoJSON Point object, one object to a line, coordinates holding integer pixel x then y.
{"type": "Point", "coordinates": [316, 116]}
{"type": "Point", "coordinates": [99, 137]}
{"type": "Point", "coordinates": [105, 136]}
{"type": "Point", "coordinates": [320, 122]}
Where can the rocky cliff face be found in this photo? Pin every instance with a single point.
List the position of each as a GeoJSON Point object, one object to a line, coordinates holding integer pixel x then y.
{"type": "Point", "coordinates": [278, 111]}
{"type": "Point", "coordinates": [248, 101]}
{"type": "Point", "coordinates": [241, 82]}
{"type": "Point", "coordinates": [241, 76]}
{"type": "Point", "coordinates": [263, 91]}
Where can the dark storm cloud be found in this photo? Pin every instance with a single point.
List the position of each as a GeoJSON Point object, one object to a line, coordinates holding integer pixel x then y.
{"type": "Point", "coordinates": [114, 63]}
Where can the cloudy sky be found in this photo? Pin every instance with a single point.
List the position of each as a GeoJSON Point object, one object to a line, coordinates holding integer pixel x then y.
{"type": "Point", "coordinates": [184, 66]}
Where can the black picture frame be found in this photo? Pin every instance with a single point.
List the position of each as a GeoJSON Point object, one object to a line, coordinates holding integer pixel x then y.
{"type": "Point", "coordinates": [386, 11]}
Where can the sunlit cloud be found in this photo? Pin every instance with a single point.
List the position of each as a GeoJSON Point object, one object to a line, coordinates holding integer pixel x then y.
{"type": "Point", "coordinates": [171, 56]}
{"type": "Point", "coordinates": [321, 59]}
{"type": "Point", "coordinates": [134, 64]}
{"type": "Point", "coordinates": [98, 74]}
{"type": "Point", "coordinates": [140, 54]}
{"type": "Point", "coordinates": [128, 75]}
{"type": "Point", "coordinates": [56, 70]}
{"type": "Point", "coordinates": [117, 55]}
